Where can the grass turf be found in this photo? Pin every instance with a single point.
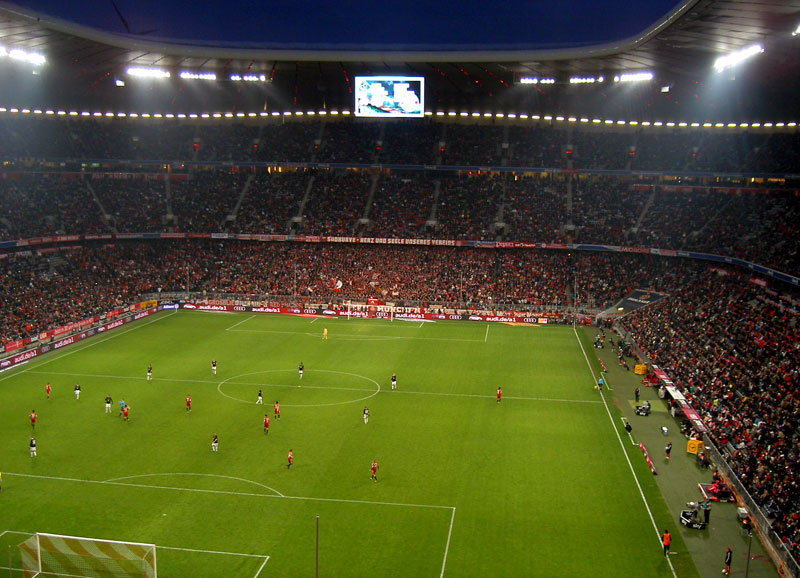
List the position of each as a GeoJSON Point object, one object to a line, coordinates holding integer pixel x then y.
{"type": "Point", "coordinates": [539, 484]}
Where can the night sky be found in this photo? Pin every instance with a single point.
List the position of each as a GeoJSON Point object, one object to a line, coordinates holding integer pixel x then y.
{"type": "Point", "coordinates": [346, 23]}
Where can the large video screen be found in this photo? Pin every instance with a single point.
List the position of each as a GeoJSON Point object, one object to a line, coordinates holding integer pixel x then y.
{"type": "Point", "coordinates": [390, 96]}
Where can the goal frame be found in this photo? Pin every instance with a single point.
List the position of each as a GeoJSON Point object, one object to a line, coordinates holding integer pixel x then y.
{"type": "Point", "coordinates": [38, 550]}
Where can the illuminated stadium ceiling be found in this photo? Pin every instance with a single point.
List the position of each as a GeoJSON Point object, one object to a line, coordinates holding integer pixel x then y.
{"type": "Point", "coordinates": [679, 49]}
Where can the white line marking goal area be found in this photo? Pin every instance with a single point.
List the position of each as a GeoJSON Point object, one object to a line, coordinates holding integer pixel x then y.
{"type": "Point", "coordinates": [260, 559]}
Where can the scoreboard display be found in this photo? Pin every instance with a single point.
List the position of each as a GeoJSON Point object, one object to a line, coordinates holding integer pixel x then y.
{"type": "Point", "coordinates": [390, 96]}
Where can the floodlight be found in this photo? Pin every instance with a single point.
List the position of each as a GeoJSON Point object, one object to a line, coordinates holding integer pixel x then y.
{"type": "Point", "coordinates": [248, 77]}
{"type": "Point", "coordinates": [735, 58]}
{"type": "Point", "coordinates": [796, 31]}
{"type": "Point", "coordinates": [585, 79]}
{"type": "Point", "coordinates": [634, 77]}
{"type": "Point", "coordinates": [3, 51]}
{"type": "Point", "coordinates": [146, 72]}
{"type": "Point", "coordinates": [536, 80]}
{"type": "Point", "coordinates": [17, 54]}
{"type": "Point", "coordinates": [198, 75]}
{"type": "Point", "coordinates": [119, 82]}
{"type": "Point", "coordinates": [665, 88]}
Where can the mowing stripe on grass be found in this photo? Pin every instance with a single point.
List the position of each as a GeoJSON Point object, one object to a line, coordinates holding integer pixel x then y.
{"type": "Point", "coordinates": [625, 453]}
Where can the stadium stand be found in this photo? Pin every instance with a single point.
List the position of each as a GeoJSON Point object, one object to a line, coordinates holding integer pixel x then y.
{"type": "Point", "coordinates": [728, 339]}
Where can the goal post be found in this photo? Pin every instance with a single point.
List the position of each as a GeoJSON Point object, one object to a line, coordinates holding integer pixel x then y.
{"type": "Point", "coordinates": [56, 555]}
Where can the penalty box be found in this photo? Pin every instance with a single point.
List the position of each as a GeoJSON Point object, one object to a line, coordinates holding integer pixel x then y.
{"type": "Point", "coordinates": [372, 533]}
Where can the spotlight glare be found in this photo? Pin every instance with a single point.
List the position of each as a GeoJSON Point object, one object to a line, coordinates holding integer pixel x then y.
{"type": "Point", "coordinates": [146, 72]}
{"type": "Point", "coordinates": [22, 56]}
{"type": "Point", "coordinates": [735, 58]}
{"type": "Point", "coordinates": [198, 75]}
{"type": "Point", "coordinates": [634, 77]}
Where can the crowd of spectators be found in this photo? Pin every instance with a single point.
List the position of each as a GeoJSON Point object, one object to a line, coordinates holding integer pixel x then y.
{"type": "Point", "coordinates": [535, 210]}
{"type": "Point", "coordinates": [604, 211]}
{"type": "Point", "coordinates": [272, 199]}
{"type": "Point", "coordinates": [758, 226]}
{"type": "Point", "coordinates": [467, 207]}
{"type": "Point", "coordinates": [733, 348]}
{"type": "Point", "coordinates": [202, 202]}
{"type": "Point", "coordinates": [401, 206]}
{"type": "Point", "coordinates": [336, 203]}
{"type": "Point", "coordinates": [38, 205]}
{"type": "Point", "coordinates": [40, 292]}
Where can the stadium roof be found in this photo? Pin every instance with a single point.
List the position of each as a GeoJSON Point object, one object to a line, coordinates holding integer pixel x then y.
{"type": "Point", "coordinates": [679, 49]}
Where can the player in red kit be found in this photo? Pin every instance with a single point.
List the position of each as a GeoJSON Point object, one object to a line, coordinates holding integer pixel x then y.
{"type": "Point", "coordinates": [33, 419]}
{"type": "Point", "coordinates": [374, 469]}
{"type": "Point", "coordinates": [277, 411]}
{"type": "Point", "coordinates": [499, 394]}
{"type": "Point", "coordinates": [125, 411]}
{"type": "Point", "coordinates": [290, 459]}
{"type": "Point", "coordinates": [188, 403]}
{"type": "Point", "coordinates": [47, 389]}
{"type": "Point", "coordinates": [266, 424]}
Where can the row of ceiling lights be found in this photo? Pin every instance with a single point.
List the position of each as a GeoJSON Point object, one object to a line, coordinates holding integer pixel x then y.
{"type": "Point", "coordinates": [535, 117]}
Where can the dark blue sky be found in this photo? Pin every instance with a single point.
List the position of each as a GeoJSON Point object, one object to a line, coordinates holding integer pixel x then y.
{"type": "Point", "coordinates": [442, 23]}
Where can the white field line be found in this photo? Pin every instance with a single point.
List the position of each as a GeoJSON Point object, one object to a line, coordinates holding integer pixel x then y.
{"type": "Point", "coordinates": [260, 568]}
{"type": "Point", "coordinates": [486, 337]}
{"type": "Point", "coordinates": [624, 452]}
{"type": "Point", "coordinates": [358, 337]}
{"type": "Point", "coordinates": [211, 552]}
{"type": "Point", "coordinates": [239, 323]}
{"type": "Point", "coordinates": [217, 552]}
{"type": "Point", "coordinates": [624, 421]}
{"type": "Point", "coordinates": [228, 493]}
{"type": "Point", "coordinates": [247, 494]}
{"type": "Point", "coordinates": [389, 392]}
{"type": "Point", "coordinates": [447, 546]}
{"type": "Point", "coordinates": [199, 475]}
{"type": "Point", "coordinates": [78, 348]}
{"type": "Point", "coordinates": [314, 320]}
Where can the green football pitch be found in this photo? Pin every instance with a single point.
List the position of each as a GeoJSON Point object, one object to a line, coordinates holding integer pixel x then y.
{"type": "Point", "coordinates": [539, 484]}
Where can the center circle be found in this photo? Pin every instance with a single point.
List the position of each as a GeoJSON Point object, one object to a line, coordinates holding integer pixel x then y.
{"type": "Point", "coordinates": [377, 385]}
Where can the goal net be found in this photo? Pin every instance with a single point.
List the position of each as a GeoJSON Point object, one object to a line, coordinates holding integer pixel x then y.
{"type": "Point", "coordinates": [54, 555]}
